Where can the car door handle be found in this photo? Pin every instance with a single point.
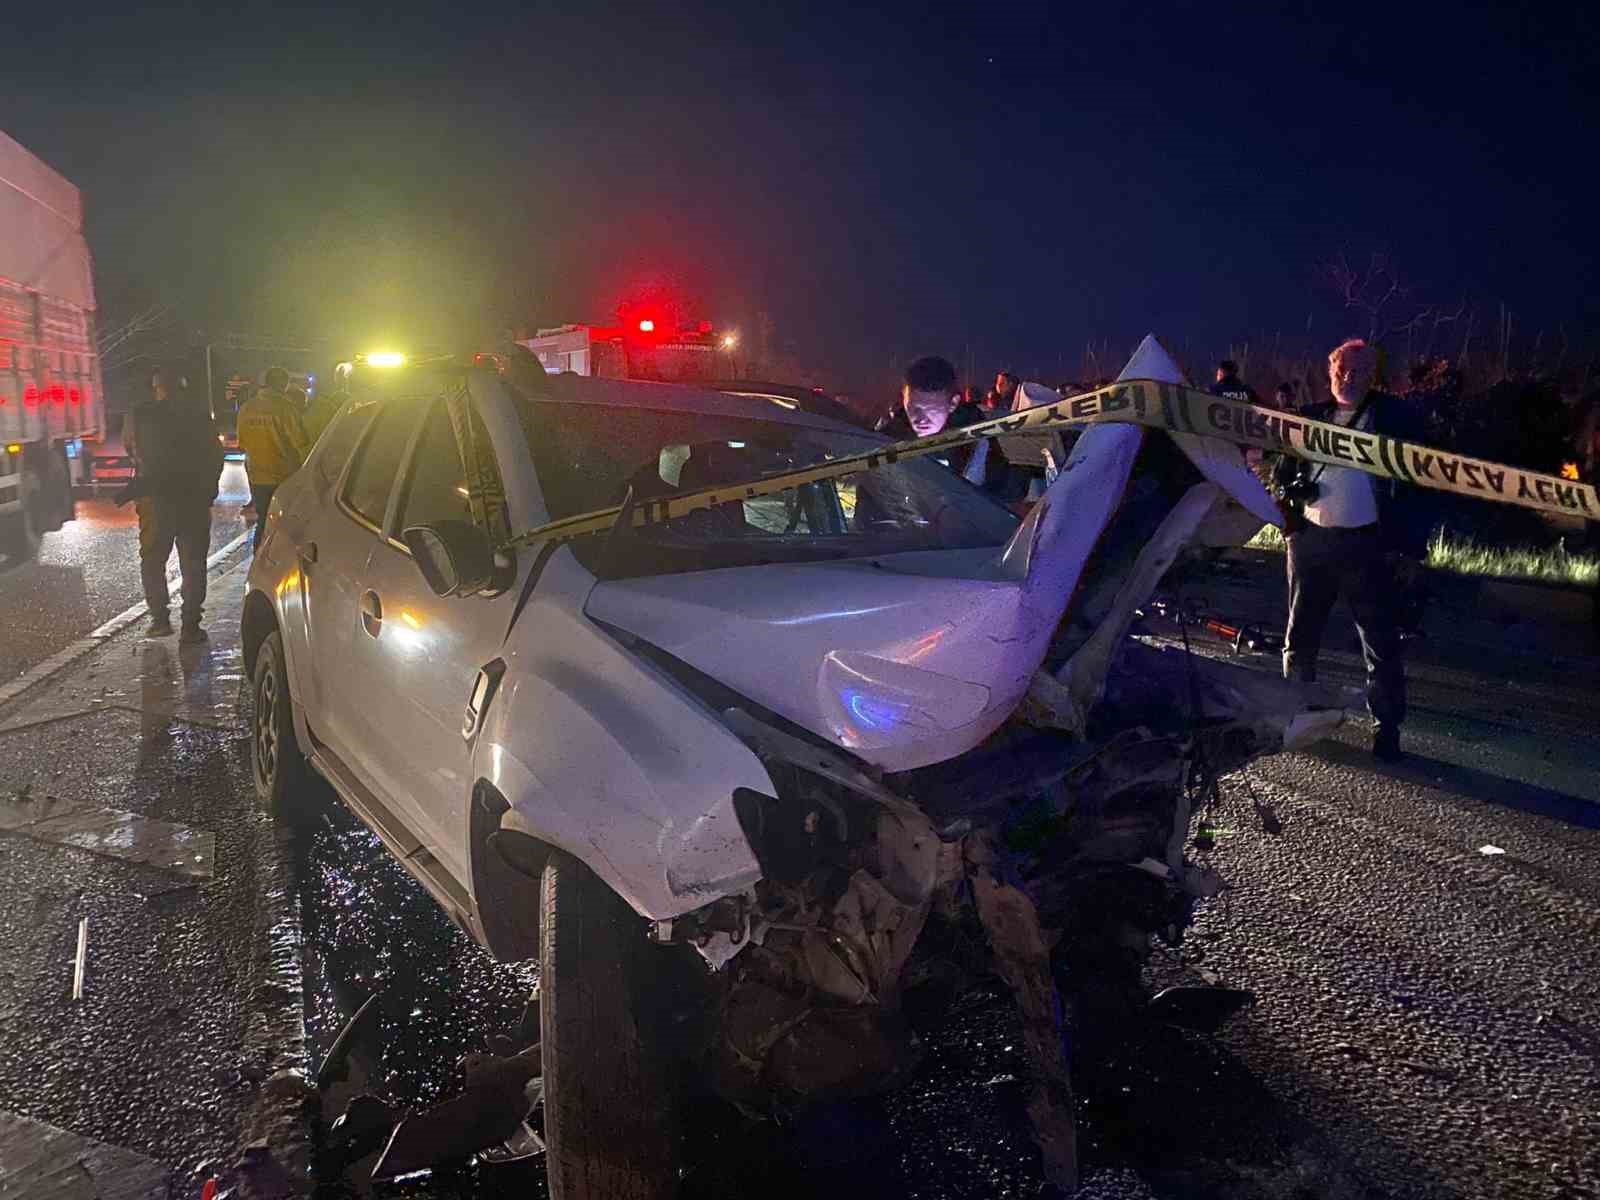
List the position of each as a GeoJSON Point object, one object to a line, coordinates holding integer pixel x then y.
{"type": "Point", "coordinates": [371, 612]}
{"type": "Point", "coordinates": [308, 554]}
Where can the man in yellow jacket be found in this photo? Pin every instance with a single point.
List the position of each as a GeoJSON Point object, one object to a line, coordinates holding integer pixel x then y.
{"type": "Point", "coordinates": [273, 440]}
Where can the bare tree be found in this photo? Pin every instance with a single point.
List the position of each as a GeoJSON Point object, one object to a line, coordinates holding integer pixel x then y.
{"type": "Point", "coordinates": [1385, 301]}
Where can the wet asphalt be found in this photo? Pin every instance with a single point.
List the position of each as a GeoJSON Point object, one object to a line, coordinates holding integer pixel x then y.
{"type": "Point", "coordinates": [1426, 1024]}
{"type": "Point", "coordinates": [86, 573]}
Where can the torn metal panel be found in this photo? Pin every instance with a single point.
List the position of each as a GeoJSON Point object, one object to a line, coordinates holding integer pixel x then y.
{"type": "Point", "coordinates": [1022, 955]}
{"type": "Point", "coordinates": [187, 852]}
{"type": "Point", "coordinates": [1084, 674]}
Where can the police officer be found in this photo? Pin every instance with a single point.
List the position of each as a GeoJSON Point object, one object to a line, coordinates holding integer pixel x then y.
{"type": "Point", "coordinates": [177, 461]}
{"type": "Point", "coordinates": [273, 438]}
{"type": "Point", "coordinates": [1230, 385]}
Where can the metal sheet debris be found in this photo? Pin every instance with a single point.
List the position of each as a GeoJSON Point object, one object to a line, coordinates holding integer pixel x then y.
{"type": "Point", "coordinates": [133, 838]}
{"type": "Point", "coordinates": [42, 1162]}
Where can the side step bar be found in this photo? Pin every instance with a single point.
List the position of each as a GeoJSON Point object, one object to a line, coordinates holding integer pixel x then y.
{"type": "Point", "coordinates": [411, 854]}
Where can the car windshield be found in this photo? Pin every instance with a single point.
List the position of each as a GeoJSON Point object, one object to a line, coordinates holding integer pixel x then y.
{"type": "Point", "coordinates": [589, 455]}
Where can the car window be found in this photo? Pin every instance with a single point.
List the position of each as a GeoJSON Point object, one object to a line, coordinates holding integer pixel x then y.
{"type": "Point", "coordinates": [437, 487]}
{"type": "Point", "coordinates": [378, 462]}
{"type": "Point", "coordinates": [589, 457]}
{"type": "Point", "coordinates": [334, 446]}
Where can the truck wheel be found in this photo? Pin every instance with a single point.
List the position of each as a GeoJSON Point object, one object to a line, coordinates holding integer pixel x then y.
{"type": "Point", "coordinates": [609, 1095]}
{"type": "Point", "coordinates": [279, 769]}
{"type": "Point", "coordinates": [18, 540]}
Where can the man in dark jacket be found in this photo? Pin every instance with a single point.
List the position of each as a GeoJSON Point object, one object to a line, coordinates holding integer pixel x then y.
{"type": "Point", "coordinates": [1230, 385]}
{"type": "Point", "coordinates": [1342, 527]}
{"type": "Point", "coordinates": [178, 461]}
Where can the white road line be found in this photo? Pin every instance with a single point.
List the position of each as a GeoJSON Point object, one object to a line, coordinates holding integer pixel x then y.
{"type": "Point", "coordinates": [41, 671]}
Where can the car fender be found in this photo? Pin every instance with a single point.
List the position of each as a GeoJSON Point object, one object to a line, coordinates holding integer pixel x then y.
{"type": "Point", "coordinates": [603, 755]}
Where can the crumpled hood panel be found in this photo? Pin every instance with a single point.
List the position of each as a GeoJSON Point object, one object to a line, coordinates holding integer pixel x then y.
{"type": "Point", "coordinates": [907, 659]}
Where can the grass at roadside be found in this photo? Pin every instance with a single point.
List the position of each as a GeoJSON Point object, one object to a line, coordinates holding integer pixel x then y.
{"type": "Point", "coordinates": [1463, 556]}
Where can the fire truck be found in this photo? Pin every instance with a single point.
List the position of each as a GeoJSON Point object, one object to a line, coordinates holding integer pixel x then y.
{"type": "Point", "coordinates": [641, 348]}
{"type": "Point", "coordinates": [50, 387]}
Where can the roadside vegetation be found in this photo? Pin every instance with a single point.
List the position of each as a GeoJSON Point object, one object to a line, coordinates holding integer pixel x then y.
{"type": "Point", "coordinates": [1465, 556]}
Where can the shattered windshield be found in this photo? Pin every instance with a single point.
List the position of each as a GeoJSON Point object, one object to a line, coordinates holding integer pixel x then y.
{"type": "Point", "coordinates": [588, 456]}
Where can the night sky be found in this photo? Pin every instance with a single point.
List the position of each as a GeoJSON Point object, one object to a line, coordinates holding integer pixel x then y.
{"type": "Point", "coordinates": [997, 183]}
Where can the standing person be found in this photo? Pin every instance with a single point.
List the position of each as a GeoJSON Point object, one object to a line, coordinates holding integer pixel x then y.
{"type": "Point", "coordinates": [1230, 385]}
{"type": "Point", "coordinates": [273, 439]}
{"type": "Point", "coordinates": [928, 396]}
{"type": "Point", "coordinates": [1283, 399]}
{"type": "Point", "coordinates": [177, 462]}
{"type": "Point", "coordinates": [325, 404]}
{"type": "Point", "coordinates": [1004, 393]}
{"type": "Point", "coordinates": [1341, 523]}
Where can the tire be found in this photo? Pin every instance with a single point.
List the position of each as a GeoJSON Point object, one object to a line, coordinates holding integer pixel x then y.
{"type": "Point", "coordinates": [279, 769]}
{"type": "Point", "coordinates": [18, 540]}
{"type": "Point", "coordinates": [609, 1094]}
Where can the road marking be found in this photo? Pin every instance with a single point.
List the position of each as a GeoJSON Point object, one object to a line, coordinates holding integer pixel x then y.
{"type": "Point", "coordinates": [61, 659]}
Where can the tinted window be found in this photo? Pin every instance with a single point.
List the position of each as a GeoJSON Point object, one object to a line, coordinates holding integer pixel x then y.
{"type": "Point", "coordinates": [367, 489]}
{"type": "Point", "coordinates": [334, 446]}
{"type": "Point", "coordinates": [437, 489]}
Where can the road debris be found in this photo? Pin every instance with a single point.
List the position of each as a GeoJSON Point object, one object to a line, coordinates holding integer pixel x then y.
{"type": "Point", "coordinates": [79, 959]}
{"type": "Point", "coordinates": [490, 1110]}
{"type": "Point", "coordinates": [110, 832]}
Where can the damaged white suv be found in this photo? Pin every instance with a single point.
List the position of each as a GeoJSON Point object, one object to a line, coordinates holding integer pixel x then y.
{"type": "Point", "coordinates": [748, 779]}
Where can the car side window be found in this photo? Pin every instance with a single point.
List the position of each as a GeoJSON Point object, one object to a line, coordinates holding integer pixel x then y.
{"type": "Point", "coordinates": [436, 489]}
{"type": "Point", "coordinates": [335, 445]}
{"type": "Point", "coordinates": [366, 491]}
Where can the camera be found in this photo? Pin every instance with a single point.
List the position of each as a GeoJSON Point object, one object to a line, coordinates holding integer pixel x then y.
{"type": "Point", "coordinates": [1300, 490]}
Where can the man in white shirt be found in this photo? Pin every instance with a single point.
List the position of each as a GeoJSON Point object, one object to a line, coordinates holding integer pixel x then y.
{"type": "Point", "coordinates": [1339, 548]}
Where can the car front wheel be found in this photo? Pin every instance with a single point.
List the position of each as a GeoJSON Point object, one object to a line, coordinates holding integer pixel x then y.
{"type": "Point", "coordinates": [609, 1096]}
{"type": "Point", "coordinates": [278, 767]}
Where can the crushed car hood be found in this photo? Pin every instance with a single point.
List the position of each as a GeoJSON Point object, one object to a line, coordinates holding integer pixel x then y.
{"type": "Point", "coordinates": [905, 659]}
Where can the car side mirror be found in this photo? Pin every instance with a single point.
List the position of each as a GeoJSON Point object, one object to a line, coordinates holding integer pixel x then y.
{"type": "Point", "coordinates": [455, 557]}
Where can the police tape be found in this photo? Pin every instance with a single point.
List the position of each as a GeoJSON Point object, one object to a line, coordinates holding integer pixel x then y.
{"type": "Point", "coordinates": [1154, 405]}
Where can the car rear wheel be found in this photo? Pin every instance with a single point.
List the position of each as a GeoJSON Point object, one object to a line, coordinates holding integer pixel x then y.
{"type": "Point", "coordinates": [279, 769]}
{"type": "Point", "coordinates": [18, 540]}
{"type": "Point", "coordinates": [609, 1091]}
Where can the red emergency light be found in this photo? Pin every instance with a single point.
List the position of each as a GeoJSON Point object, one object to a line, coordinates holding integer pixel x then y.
{"type": "Point", "coordinates": [58, 394]}
{"type": "Point", "coordinates": [30, 397]}
{"type": "Point", "coordinates": [647, 326]}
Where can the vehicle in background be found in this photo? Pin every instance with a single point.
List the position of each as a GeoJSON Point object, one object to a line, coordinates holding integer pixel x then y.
{"type": "Point", "coordinates": [650, 348]}
{"type": "Point", "coordinates": [51, 394]}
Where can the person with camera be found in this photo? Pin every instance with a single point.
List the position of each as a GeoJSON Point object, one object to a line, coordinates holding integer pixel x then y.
{"type": "Point", "coordinates": [1342, 526]}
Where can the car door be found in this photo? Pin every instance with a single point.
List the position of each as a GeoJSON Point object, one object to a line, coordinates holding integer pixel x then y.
{"type": "Point", "coordinates": [317, 600]}
{"type": "Point", "coordinates": [426, 654]}
{"type": "Point", "coordinates": [353, 722]}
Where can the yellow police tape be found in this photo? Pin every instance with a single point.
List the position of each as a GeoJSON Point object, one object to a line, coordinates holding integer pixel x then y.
{"type": "Point", "coordinates": [1156, 405]}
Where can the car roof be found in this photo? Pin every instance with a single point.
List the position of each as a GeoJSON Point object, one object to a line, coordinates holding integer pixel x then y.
{"type": "Point", "coordinates": [567, 388]}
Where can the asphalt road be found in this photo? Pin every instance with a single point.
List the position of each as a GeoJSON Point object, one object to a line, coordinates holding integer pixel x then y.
{"type": "Point", "coordinates": [1422, 939]}
{"type": "Point", "coordinates": [86, 573]}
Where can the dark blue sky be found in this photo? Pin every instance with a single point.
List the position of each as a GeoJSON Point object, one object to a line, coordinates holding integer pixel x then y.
{"type": "Point", "coordinates": [1016, 180]}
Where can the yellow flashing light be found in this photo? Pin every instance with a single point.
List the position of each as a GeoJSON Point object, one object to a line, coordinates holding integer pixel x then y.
{"type": "Point", "coordinates": [13, 447]}
{"type": "Point", "coordinates": [386, 358]}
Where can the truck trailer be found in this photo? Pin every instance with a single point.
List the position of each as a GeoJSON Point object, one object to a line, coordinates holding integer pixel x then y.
{"type": "Point", "coordinates": [51, 394]}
